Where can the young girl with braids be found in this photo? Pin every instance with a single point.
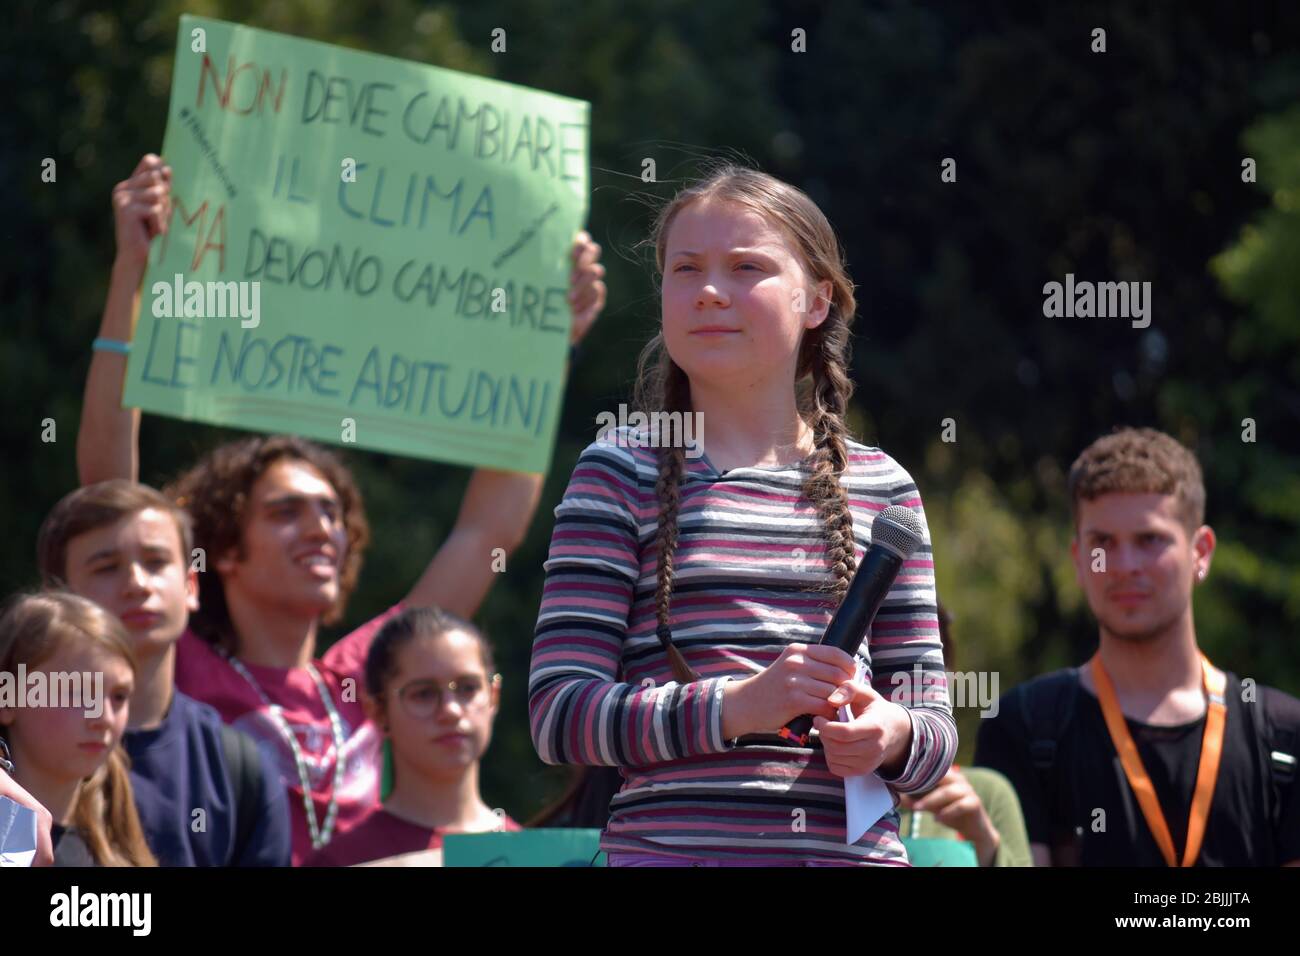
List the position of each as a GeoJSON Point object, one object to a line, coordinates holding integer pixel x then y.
{"type": "Point", "coordinates": [68, 754]}
{"type": "Point", "coordinates": [685, 593]}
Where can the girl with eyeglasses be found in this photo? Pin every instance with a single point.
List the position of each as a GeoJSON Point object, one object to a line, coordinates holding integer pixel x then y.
{"type": "Point", "coordinates": [433, 691]}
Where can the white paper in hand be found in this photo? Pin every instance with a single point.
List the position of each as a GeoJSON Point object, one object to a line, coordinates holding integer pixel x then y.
{"type": "Point", "coordinates": [866, 798]}
{"type": "Point", "coordinates": [17, 833]}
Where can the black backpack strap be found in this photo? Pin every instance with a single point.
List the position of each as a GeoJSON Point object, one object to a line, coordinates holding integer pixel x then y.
{"type": "Point", "coordinates": [244, 768]}
{"type": "Point", "coordinates": [1046, 706]}
{"type": "Point", "coordinates": [1275, 728]}
{"type": "Point", "coordinates": [1282, 717]}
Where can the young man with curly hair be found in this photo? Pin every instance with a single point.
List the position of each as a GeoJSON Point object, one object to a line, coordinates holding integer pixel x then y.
{"type": "Point", "coordinates": [282, 529]}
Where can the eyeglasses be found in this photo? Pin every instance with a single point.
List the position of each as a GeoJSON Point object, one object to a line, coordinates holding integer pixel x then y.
{"type": "Point", "coordinates": [423, 698]}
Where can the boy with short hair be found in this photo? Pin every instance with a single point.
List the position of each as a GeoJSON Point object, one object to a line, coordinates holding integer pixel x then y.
{"type": "Point", "coordinates": [1148, 755]}
{"type": "Point", "coordinates": [205, 794]}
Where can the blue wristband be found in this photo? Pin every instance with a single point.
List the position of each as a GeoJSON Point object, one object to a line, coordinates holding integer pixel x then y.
{"type": "Point", "coordinates": [111, 345]}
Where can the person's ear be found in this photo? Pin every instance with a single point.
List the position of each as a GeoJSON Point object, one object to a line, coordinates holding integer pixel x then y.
{"type": "Point", "coordinates": [192, 590]}
{"type": "Point", "coordinates": [1203, 543]}
{"type": "Point", "coordinates": [495, 703]}
{"type": "Point", "coordinates": [1074, 556]}
{"type": "Point", "coordinates": [820, 306]}
{"type": "Point", "coordinates": [227, 563]}
{"type": "Point", "coordinates": [376, 710]}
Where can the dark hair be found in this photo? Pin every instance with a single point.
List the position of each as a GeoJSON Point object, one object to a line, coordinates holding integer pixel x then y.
{"type": "Point", "coordinates": [98, 506]}
{"type": "Point", "coordinates": [585, 801]}
{"type": "Point", "coordinates": [1139, 460]}
{"type": "Point", "coordinates": [822, 362]}
{"type": "Point", "coordinates": [216, 492]}
{"type": "Point", "coordinates": [405, 626]}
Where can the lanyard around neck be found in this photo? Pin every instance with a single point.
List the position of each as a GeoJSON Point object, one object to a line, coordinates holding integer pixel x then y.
{"type": "Point", "coordinates": [1207, 773]}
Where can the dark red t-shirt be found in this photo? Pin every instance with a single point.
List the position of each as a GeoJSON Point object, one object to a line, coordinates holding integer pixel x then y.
{"type": "Point", "coordinates": [205, 675]}
{"type": "Point", "coordinates": [380, 835]}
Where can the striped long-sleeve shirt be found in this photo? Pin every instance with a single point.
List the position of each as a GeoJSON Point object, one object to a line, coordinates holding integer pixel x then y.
{"type": "Point", "coordinates": [749, 560]}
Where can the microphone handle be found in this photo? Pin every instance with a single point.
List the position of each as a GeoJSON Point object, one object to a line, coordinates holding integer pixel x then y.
{"type": "Point", "coordinates": [867, 591]}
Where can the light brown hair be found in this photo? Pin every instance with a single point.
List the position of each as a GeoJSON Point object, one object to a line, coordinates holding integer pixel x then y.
{"type": "Point", "coordinates": [1139, 461]}
{"type": "Point", "coordinates": [822, 383]}
{"type": "Point", "coordinates": [34, 628]}
{"type": "Point", "coordinates": [216, 492]}
{"type": "Point", "coordinates": [98, 506]}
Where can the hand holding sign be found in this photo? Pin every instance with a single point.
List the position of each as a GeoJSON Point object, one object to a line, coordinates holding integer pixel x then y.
{"type": "Point", "coordinates": [586, 291]}
{"type": "Point", "coordinates": [955, 804]}
{"type": "Point", "coordinates": [141, 211]}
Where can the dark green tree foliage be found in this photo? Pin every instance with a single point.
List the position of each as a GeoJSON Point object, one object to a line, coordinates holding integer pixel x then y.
{"type": "Point", "coordinates": [1123, 165]}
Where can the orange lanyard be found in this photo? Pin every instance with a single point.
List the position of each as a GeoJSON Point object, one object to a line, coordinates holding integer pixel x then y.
{"type": "Point", "coordinates": [1206, 774]}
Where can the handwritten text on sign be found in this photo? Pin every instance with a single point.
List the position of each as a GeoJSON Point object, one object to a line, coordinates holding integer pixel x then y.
{"type": "Point", "coordinates": [408, 230]}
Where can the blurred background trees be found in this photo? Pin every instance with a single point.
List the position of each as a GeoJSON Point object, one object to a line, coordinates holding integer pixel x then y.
{"type": "Point", "coordinates": [1123, 165]}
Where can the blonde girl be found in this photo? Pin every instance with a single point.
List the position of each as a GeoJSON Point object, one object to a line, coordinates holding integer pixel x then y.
{"type": "Point", "coordinates": [67, 752]}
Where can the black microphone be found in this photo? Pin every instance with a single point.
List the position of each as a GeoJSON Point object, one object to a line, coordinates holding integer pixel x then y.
{"type": "Point", "coordinates": [895, 534]}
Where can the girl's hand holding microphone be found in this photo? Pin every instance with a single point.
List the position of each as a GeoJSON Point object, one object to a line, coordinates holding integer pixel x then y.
{"type": "Point", "coordinates": [800, 681]}
{"type": "Point", "coordinates": [817, 679]}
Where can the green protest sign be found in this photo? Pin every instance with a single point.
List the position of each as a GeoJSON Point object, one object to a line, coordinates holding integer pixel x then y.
{"type": "Point", "coordinates": [935, 851]}
{"type": "Point", "coordinates": [362, 250]}
{"type": "Point", "coordinates": [548, 847]}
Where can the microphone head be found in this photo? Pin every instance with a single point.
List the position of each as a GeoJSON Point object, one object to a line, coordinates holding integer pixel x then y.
{"type": "Point", "coordinates": [897, 529]}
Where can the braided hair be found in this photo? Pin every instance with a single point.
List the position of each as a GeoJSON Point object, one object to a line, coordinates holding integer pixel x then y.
{"type": "Point", "coordinates": [822, 382]}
